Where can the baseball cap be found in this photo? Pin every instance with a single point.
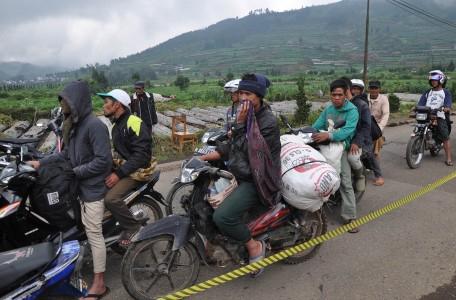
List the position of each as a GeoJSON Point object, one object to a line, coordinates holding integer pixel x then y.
{"type": "Point", "coordinates": [139, 84]}
{"type": "Point", "coordinates": [118, 95]}
{"type": "Point", "coordinates": [374, 84]}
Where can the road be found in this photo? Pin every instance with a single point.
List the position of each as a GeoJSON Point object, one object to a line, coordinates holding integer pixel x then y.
{"type": "Point", "coordinates": [406, 254]}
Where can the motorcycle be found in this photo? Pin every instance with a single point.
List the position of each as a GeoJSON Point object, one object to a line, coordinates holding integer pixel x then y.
{"type": "Point", "coordinates": [422, 137]}
{"type": "Point", "coordinates": [41, 270]}
{"type": "Point", "coordinates": [22, 224]}
{"type": "Point", "coordinates": [165, 256]}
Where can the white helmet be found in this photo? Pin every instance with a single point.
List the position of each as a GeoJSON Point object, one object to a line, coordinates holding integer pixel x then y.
{"type": "Point", "coordinates": [232, 86]}
{"type": "Point", "coordinates": [437, 75]}
{"type": "Point", "coordinates": [358, 83]}
{"type": "Point", "coordinates": [119, 95]}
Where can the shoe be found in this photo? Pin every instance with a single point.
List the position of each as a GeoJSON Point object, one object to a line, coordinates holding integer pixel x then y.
{"type": "Point", "coordinates": [354, 229]}
{"type": "Point", "coordinates": [252, 260]}
{"type": "Point", "coordinates": [379, 181]}
{"type": "Point", "coordinates": [449, 163]}
{"type": "Point", "coordinates": [97, 296]}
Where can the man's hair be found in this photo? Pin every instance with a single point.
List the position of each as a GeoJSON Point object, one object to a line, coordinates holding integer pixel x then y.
{"type": "Point", "coordinates": [338, 83]}
{"type": "Point", "coordinates": [347, 82]}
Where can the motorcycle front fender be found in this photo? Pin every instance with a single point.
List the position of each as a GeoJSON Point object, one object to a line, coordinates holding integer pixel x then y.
{"type": "Point", "coordinates": [174, 225]}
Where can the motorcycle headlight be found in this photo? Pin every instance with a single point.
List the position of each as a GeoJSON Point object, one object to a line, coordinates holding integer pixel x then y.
{"type": "Point", "coordinates": [205, 137]}
{"type": "Point", "coordinates": [188, 175]}
{"type": "Point", "coordinates": [421, 117]}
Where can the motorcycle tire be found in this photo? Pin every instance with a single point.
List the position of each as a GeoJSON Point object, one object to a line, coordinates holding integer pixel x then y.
{"type": "Point", "coordinates": [156, 269]}
{"type": "Point", "coordinates": [415, 151]}
{"type": "Point", "coordinates": [154, 213]}
{"type": "Point", "coordinates": [322, 226]}
{"type": "Point", "coordinates": [174, 198]}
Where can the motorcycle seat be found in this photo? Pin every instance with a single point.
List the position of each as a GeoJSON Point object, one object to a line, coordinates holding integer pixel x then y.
{"type": "Point", "coordinates": [19, 141]}
{"type": "Point", "coordinates": [16, 264]}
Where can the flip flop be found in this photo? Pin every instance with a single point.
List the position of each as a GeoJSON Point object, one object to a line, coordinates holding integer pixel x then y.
{"type": "Point", "coordinates": [98, 296]}
{"type": "Point", "coordinates": [125, 237]}
{"type": "Point", "coordinates": [255, 259]}
{"type": "Point", "coordinates": [449, 163]}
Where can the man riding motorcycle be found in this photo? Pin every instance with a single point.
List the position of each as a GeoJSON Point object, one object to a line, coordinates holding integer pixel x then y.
{"type": "Point", "coordinates": [231, 87]}
{"type": "Point", "coordinates": [440, 98]}
{"type": "Point", "coordinates": [228, 216]}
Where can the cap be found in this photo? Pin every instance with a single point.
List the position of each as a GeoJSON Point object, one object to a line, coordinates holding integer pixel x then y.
{"type": "Point", "coordinates": [139, 84]}
{"type": "Point", "coordinates": [118, 95]}
{"type": "Point", "coordinates": [374, 84]}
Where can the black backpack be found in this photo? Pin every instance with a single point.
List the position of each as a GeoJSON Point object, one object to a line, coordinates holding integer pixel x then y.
{"type": "Point", "coordinates": [54, 194]}
{"type": "Point", "coordinates": [376, 132]}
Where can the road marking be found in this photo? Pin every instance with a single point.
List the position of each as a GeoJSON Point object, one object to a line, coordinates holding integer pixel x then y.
{"type": "Point", "coordinates": [237, 273]}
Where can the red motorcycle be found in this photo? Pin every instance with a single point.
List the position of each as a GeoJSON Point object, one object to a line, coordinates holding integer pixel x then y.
{"type": "Point", "coordinates": [165, 256]}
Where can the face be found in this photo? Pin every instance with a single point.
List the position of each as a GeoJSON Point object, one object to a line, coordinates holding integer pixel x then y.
{"type": "Point", "coordinates": [435, 83]}
{"type": "Point", "coordinates": [338, 97]}
{"type": "Point", "coordinates": [356, 90]}
{"type": "Point", "coordinates": [139, 90]}
{"type": "Point", "coordinates": [235, 97]}
{"type": "Point", "coordinates": [252, 97]}
{"type": "Point", "coordinates": [374, 92]}
{"type": "Point", "coordinates": [110, 107]}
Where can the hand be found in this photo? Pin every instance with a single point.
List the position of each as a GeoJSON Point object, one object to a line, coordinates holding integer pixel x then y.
{"type": "Point", "coordinates": [34, 163]}
{"type": "Point", "coordinates": [320, 137]}
{"type": "Point", "coordinates": [112, 180]}
{"type": "Point", "coordinates": [446, 109]}
{"type": "Point", "coordinates": [243, 111]}
{"type": "Point", "coordinates": [354, 149]}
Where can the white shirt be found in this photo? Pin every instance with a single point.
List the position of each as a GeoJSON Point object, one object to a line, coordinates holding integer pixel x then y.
{"type": "Point", "coordinates": [435, 100]}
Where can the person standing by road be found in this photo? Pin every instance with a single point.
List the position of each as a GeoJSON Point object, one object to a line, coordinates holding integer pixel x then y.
{"type": "Point", "coordinates": [380, 110]}
{"type": "Point", "coordinates": [89, 151]}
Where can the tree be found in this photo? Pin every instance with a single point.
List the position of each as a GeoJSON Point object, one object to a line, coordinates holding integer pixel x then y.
{"type": "Point", "coordinates": [303, 111]}
{"type": "Point", "coordinates": [450, 67]}
{"type": "Point", "coordinates": [182, 82]}
{"type": "Point", "coordinates": [135, 76]}
{"type": "Point", "coordinates": [394, 103]}
{"type": "Point", "coordinates": [229, 76]}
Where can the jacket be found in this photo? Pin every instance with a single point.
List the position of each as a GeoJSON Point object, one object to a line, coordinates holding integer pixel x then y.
{"type": "Point", "coordinates": [143, 106]}
{"type": "Point", "coordinates": [132, 141]}
{"type": "Point", "coordinates": [362, 136]}
{"type": "Point", "coordinates": [347, 112]}
{"type": "Point", "coordinates": [236, 152]}
{"type": "Point", "coordinates": [380, 109]}
{"type": "Point", "coordinates": [89, 148]}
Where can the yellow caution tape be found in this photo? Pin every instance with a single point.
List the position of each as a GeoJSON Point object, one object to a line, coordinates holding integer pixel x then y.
{"type": "Point", "coordinates": [201, 287]}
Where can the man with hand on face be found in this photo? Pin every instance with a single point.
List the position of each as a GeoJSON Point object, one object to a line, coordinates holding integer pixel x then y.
{"type": "Point", "coordinates": [133, 144]}
{"type": "Point", "coordinates": [340, 109]}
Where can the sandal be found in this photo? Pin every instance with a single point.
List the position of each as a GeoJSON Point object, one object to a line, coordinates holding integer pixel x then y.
{"type": "Point", "coordinates": [98, 296]}
{"type": "Point", "coordinates": [126, 236]}
{"type": "Point", "coordinates": [255, 259]}
{"type": "Point", "coordinates": [449, 163]}
{"type": "Point", "coordinates": [354, 229]}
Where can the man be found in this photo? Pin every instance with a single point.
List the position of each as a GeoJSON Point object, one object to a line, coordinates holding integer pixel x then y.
{"type": "Point", "coordinates": [439, 97]}
{"type": "Point", "coordinates": [133, 143]}
{"type": "Point", "coordinates": [379, 107]}
{"type": "Point", "coordinates": [229, 215]}
{"type": "Point", "coordinates": [89, 151]}
{"type": "Point", "coordinates": [143, 105]}
{"type": "Point", "coordinates": [231, 87]}
{"type": "Point", "coordinates": [340, 109]}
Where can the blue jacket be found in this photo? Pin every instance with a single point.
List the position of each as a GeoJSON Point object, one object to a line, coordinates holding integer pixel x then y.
{"type": "Point", "coordinates": [446, 102]}
{"type": "Point", "coordinates": [362, 136]}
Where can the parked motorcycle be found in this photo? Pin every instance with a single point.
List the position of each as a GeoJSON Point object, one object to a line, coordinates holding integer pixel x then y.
{"type": "Point", "coordinates": [23, 224]}
{"type": "Point", "coordinates": [41, 270]}
{"type": "Point", "coordinates": [422, 137]}
{"type": "Point", "coordinates": [165, 256]}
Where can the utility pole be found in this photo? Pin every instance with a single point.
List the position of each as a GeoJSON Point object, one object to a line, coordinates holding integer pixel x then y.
{"type": "Point", "coordinates": [366, 40]}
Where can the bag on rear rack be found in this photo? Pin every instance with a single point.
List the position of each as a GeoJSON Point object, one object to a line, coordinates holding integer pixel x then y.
{"type": "Point", "coordinates": [54, 194]}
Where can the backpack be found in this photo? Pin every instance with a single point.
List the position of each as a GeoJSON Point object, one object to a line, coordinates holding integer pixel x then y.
{"type": "Point", "coordinates": [54, 194]}
{"type": "Point", "coordinates": [376, 132]}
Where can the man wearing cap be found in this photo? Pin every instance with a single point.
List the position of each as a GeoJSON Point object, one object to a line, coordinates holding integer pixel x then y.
{"type": "Point", "coordinates": [133, 144]}
{"type": "Point", "coordinates": [379, 107]}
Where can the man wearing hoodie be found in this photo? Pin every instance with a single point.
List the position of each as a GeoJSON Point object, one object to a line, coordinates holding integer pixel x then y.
{"type": "Point", "coordinates": [88, 149]}
{"type": "Point", "coordinates": [340, 109]}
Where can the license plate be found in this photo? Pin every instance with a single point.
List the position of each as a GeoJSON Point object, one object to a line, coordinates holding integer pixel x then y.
{"type": "Point", "coordinates": [205, 149]}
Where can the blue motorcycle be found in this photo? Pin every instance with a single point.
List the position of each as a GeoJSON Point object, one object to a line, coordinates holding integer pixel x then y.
{"type": "Point", "coordinates": [45, 269]}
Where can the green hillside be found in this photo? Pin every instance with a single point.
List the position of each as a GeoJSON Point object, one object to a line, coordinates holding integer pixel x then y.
{"type": "Point", "coordinates": [321, 37]}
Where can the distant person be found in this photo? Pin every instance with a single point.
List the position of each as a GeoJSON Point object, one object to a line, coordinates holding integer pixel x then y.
{"type": "Point", "coordinates": [143, 104]}
{"type": "Point", "coordinates": [435, 98]}
{"type": "Point", "coordinates": [231, 87]}
{"type": "Point", "coordinates": [380, 109]}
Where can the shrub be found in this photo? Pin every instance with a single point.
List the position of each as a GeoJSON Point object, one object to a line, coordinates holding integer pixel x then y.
{"type": "Point", "coordinates": [394, 103]}
{"type": "Point", "coordinates": [302, 113]}
{"type": "Point", "coordinates": [6, 120]}
{"type": "Point", "coordinates": [4, 95]}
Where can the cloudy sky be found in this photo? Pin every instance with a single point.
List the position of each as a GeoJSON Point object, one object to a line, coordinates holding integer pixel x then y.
{"type": "Point", "coordinates": [76, 33]}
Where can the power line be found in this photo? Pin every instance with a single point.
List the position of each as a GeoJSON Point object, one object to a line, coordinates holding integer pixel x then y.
{"type": "Point", "coordinates": [422, 11]}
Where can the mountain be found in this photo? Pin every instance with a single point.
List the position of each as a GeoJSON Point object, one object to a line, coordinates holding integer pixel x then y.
{"type": "Point", "coordinates": [24, 71]}
{"type": "Point", "coordinates": [326, 36]}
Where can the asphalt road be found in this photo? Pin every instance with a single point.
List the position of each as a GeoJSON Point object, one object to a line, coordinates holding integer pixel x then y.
{"type": "Point", "coordinates": [407, 254]}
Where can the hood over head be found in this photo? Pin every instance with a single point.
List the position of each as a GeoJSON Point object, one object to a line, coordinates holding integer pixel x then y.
{"type": "Point", "coordinates": [77, 96]}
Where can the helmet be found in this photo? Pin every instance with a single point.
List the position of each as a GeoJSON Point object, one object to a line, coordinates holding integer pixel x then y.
{"type": "Point", "coordinates": [437, 75]}
{"type": "Point", "coordinates": [358, 83]}
{"type": "Point", "coordinates": [231, 86]}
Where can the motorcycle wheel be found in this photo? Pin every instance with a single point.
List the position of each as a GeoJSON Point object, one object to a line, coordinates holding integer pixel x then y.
{"type": "Point", "coordinates": [313, 224]}
{"type": "Point", "coordinates": [415, 151]}
{"type": "Point", "coordinates": [151, 268]}
{"type": "Point", "coordinates": [174, 199]}
{"type": "Point", "coordinates": [144, 207]}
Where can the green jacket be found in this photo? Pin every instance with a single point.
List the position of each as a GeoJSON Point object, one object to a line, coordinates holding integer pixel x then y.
{"type": "Point", "coordinates": [347, 112]}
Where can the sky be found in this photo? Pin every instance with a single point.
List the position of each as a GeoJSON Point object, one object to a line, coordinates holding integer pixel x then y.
{"type": "Point", "coordinates": [71, 34]}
